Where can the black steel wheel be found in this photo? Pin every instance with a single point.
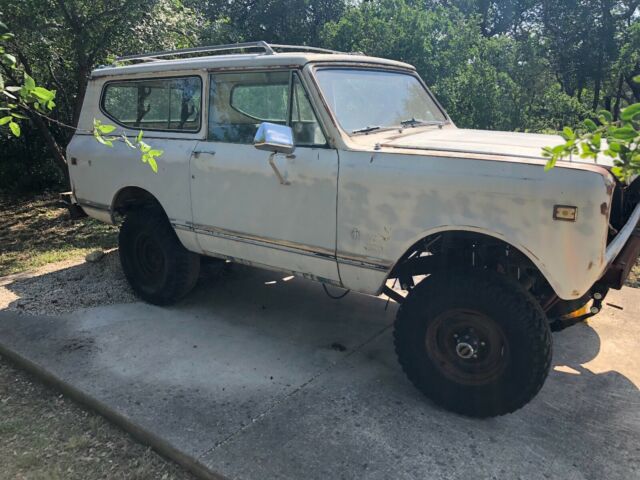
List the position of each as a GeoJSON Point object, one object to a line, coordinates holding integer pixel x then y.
{"type": "Point", "coordinates": [473, 341]}
{"type": "Point", "coordinates": [158, 267]}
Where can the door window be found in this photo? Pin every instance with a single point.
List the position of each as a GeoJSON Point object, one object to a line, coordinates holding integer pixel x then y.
{"type": "Point", "coordinates": [155, 104]}
{"type": "Point", "coordinates": [240, 102]}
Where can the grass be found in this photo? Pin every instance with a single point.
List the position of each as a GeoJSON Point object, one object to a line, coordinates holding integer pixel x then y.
{"type": "Point", "coordinates": [44, 435]}
{"type": "Point", "coordinates": [37, 232]}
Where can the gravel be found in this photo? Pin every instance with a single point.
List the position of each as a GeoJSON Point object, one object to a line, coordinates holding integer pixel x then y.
{"type": "Point", "coordinates": [63, 287]}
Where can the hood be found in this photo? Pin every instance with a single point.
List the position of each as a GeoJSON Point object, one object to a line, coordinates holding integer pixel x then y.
{"type": "Point", "coordinates": [511, 144]}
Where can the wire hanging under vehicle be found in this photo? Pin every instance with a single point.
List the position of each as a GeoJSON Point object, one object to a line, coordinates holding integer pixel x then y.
{"type": "Point", "coordinates": [334, 297]}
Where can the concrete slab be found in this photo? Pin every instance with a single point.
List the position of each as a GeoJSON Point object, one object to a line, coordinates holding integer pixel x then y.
{"type": "Point", "coordinates": [248, 379]}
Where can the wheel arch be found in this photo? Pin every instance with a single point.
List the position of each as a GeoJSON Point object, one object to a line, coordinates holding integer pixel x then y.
{"type": "Point", "coordinates": [132, 197]}
{"type": "Point", "coordinates": [480, 233]}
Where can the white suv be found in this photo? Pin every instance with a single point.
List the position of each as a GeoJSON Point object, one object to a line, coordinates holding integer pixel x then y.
{"type": "Point", "coordinates": [344, 169]}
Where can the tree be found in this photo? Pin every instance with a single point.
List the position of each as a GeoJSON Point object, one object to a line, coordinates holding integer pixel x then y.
{"type": "Point", "coordinates": [59, 42]}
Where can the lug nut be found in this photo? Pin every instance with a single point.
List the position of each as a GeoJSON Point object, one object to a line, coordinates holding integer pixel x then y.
{"type": "Point", "coordinates": [597, 296]}
{"type": "Point", "coordinates": [595, 310]}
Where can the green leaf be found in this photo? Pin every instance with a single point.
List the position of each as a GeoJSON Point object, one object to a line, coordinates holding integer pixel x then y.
{"type": "Point", "coordinates": [156, 153]}
{"type": "Point", "coordinates": [15, 128]}
{"type": "Point", "coordinates": [606, 116]}
{"type": "Point", "coordinates": [630, 112]}
{"type": "Point", "coordinates": [590, 124]}
{"type": "Point", "coordinates": [105, 129]}
{"type": "Point", "coordinates": [19, 115]}
{"type": "Point", "coordinates": [624, 133]}
{"type": "Point", "coordinates": [5, 120]}
{"type": "Point", "coordinates": [43, 94]}
{"type": "Point", "coordinates": [144, 148]}
{"type": "Point", "coordinates": [153, 164]}
{"type": "Point", "coordinates": [139, 137]}
{"type": "Point", "coordinates": [550, 164]}
{"type": "Point", "coordinates": [636, 79]}
{"type": "Point", "coordinates": [568, 133]}
{"type": "Point", "coordinates": [614, 147]}
{"type": "Point", "coordinates": [29, 83]}
{"type": "Point", "coordinates": [10, 59]}
{"type": "Point", "coordinates": [618, 172]}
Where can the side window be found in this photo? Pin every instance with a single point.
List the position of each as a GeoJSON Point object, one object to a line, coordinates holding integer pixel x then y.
{"type": "Point", "coordinates": [155, 104]}
{"type": "Point", "coordinates": [240, 102]}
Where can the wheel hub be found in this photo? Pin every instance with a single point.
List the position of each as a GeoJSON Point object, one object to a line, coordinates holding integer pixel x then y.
{"type": "Point", "coordinates": [465, 350]}
{"type": "Point", "coordinates": [468, 346]}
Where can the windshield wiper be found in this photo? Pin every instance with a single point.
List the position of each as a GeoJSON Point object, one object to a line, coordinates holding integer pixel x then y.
{"type": "Point", "coordinates": [370, 128]}
{"type": "Point", "coordinates": [414, 123]}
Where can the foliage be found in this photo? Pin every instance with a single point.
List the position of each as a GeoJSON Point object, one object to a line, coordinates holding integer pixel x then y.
{"type": "Point", "coordinates": [619, 140]}
{"type": "Point", "coordinates": [18, 98]}
{"type": "Point", "coordinates": [149, 155]}
{"type": "Point", "coordinates": [31, 98]}
{"type": "Point", "coordinates": [527, 65]}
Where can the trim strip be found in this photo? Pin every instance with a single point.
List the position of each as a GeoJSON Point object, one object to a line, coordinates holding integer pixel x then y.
{"type": "Point", "coordinates": [286, 246]}
{"type": "Point", "coordinates": [95, 205]}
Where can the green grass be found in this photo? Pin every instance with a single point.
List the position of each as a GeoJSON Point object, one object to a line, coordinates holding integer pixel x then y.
{"type": "Point", "coordinates": [37, 232]}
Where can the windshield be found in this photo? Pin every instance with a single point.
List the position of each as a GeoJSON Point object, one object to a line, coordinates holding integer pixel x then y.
{"type": "Point", "coordinates": [369, 100]}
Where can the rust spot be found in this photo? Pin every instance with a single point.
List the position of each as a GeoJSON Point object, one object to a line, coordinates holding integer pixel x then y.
{"type": "Point", "coordinates": [610, 187]}
{"type": "Point", "coordinates": [604, 209]}
{"type": "Point", "coordinates": [590, 266]}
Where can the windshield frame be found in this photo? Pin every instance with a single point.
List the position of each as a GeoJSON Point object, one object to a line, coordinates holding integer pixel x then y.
{"type": "Point", "coordinates": [372, 67]}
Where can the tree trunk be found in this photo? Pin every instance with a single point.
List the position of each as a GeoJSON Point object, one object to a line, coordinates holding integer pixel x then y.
{"type": "Point", "coordinates": [596, 94]}
{"type": "Point", "coordinates": [616, 106]}
{"type": "Point", "coordinates": [56, 150]}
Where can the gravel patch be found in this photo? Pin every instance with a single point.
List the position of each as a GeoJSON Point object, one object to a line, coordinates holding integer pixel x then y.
{"type": "Point", "coordinates": [63, 287]}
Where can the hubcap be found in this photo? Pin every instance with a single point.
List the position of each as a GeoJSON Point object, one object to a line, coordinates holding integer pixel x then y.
{"type": "Point", "coordinates": [467, 346]}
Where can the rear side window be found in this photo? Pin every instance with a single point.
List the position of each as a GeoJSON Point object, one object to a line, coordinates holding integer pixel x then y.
{"type": "Point", "coordinates": [155, 104]}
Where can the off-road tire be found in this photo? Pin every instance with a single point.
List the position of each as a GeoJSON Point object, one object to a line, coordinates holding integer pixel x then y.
{"type": "Point", "coordinates": [524, 354]}
{"type": "Point", "coordinates": [158, 267]}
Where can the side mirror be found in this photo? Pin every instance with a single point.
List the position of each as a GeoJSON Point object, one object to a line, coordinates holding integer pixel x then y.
{"type": "Point", "coordinates": [274, 138]}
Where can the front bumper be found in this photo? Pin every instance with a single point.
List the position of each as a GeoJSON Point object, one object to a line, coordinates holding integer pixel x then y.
{"type": "Point", "coordinates": [622, 253]}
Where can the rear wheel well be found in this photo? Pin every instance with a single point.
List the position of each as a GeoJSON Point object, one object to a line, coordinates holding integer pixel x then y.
{"type": "Point", "coordinates": [464, 249]}
{"type": "Point", "coordinates": [133, 198]}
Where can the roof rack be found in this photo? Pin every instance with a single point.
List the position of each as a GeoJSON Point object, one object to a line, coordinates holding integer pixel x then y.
{"type": "Point", "coordinates": [266, 47]}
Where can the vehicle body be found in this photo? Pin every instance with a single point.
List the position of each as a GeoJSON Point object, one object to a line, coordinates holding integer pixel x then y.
{"type": "Point", "coordinates": [345, 203]}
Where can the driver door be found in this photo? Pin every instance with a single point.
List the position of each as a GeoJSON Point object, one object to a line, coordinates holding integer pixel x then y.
{"type": "Point", "coordinates": [241, 210]}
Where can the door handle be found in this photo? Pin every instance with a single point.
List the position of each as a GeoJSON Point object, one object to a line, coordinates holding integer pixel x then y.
{"type": "Point", "coordinates": [272, 162]}
{"type": "Point", "coordinates": [203, 149]}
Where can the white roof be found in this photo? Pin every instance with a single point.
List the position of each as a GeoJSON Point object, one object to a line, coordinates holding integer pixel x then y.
{"type": "Point", "coordinates": [289, 59]}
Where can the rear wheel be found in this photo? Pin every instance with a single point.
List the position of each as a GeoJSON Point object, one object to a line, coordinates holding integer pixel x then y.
{"type": "Point", "coordinates": [474, 341]}
{"type": "Point", "coordinates": [159, 269]}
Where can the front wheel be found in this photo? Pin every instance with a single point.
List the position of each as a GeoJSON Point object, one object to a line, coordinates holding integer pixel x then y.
{"type": "Point", "coordinates": [475, 342]}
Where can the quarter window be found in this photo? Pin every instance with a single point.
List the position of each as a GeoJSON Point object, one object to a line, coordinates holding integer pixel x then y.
{"type": "Point", "coordinates": [240, 102]}
{"type": "Point", "coordinates": [155, 104]}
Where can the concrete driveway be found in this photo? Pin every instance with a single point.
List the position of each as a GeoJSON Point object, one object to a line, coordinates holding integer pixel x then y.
{"type": "Point", "coordinates": [260, 377]}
